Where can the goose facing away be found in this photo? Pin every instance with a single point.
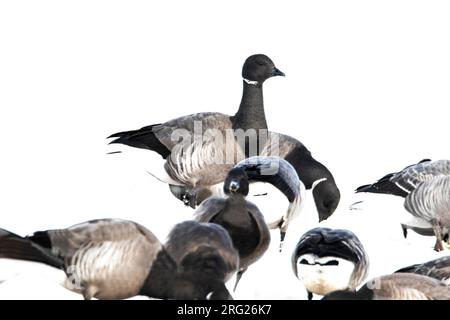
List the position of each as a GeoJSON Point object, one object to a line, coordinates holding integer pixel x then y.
{"type": "Point", "coordinates": [403, 182]}
{"type": "Point", "coordinates": [327, 260]}
{"type": "Point", "coordinates": [429, 203]}
{"type": "Point", "coordinates": [438, 269]}
{"type": "Point", "coordinates": [397, 286]}
{"type": "Point", "coordinates": [111, 259]}
{"type": "Point", "coordinates": [242, 219]}
{"type": "Point", "coordinates": [202, 157]}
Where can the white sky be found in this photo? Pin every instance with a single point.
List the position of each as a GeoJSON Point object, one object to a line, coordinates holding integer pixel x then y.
{"type": "Point", "coordinates": [366, 90]}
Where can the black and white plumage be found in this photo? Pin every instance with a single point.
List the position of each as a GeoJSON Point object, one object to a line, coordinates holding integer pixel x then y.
{"type": "Point", "coordinates": [397, 286]}
{"type": "Point", "coordinates": [241, 218]}
{"type": "Point", "coordinates": [403, 182]}
{"type": "Point", "coordinates": [279, 173]}
{"type": "Point", "coordinates": [429, 204]}
{"type": "Point", "coordinates": [118, 259]}
{"type": "Point", "coordinates": [327, 260]}
{"type": "Point", "coordinates": [313, 174]}
{"type": "Point", "coordinates": [198, 148]}
{"type": "Point", "coordinates": [438, 269]}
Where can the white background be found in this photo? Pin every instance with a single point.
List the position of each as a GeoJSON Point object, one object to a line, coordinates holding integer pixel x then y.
{"type": "Point", "coordinates": [366, 90]}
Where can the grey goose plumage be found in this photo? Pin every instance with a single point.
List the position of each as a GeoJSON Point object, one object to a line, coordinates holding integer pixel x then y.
{"type": "Point", "coordinates": [241, 218]}
{"type": "Point", "coordinates": [430, 203]}
{"type": "Point", "coordinates": [327, 260]}
{"type": "Point", "coordinates": [401, 183]}
{"type": "Point", "coordinates": [397, 286]}
{"type": "Point", "coordinates": [313, 174]}
{"type": "Point", "coordinates": [203, 160]}
{"type": "Point", "coordinates": [438, 269]}
{"type": "Point", "coordinates": [116, 259]}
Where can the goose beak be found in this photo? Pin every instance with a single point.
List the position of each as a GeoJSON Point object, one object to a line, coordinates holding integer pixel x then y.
{"type": "Point", "coordinates": [234, 186]}
{"type": "Point", "coordinates": [277, 72]}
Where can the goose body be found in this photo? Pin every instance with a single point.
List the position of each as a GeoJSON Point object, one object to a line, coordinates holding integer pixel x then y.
{"type": "Point", "coordinates": [201, 148]}
{"type": "Point", "coordinates": [438, 269]}
{"type": "Point", "coordinates": [108, 259]}
{"type": "Point", "coordinates": [327, 260]}
{"type": "Point", "coordinates": [403, 182]}
{"type": "Point", "coordinates": [242, 219]}
{"type": "Point", "coordinates": [430, 204]}
{"type": "Point", "coordinates": [397, 286]}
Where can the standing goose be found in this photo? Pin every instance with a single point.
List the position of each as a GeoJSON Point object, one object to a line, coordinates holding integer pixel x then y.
{"type": "Point", "coordinates": [403, 182]}
{"type": "Point", "coordinates": [208, 148]}
{"type": "Point", "coordinates": [438, 269]}
{"type": "Point", "coordinates": [241, 218]}
{"type": "Point", "coordinates": [115, 259]}
{"type": "Point", "coordinates": [326, 260]}
{"type": "Point", "coordinates": [429, 204]}
{"type": "Point", "coordinates": [397, 286]}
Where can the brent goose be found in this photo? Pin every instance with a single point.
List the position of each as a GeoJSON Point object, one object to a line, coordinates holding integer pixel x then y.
{"type": "Point", "coordinates": [313, 174]}
{"type": "Point", "coordinates": [118, 259]}
{"type": "Point", "coordinates": [397, 286]}
{"type": "Point", "coordinates": [429, 204]}
{"type": "Point", "coordinates": [403, 182]}
{"type": "Point", "coordinates": [241, 218]}
{"type": "Point", "coordinates": [279, 173]}
{"type": "Point", "coordinates": [327, 260]}
{"type": "Point", "coordinates": [206, 151]}
{"type": "Point", "coordinates": [438, 269]}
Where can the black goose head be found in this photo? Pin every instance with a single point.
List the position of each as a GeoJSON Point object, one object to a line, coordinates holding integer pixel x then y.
{"type": "Point", "coordinates": [203, 275]}
{"type": "Point", "coordinates": [236, 182]}
{"type": "Point", "coordinates": [259, 68]}
{"type": "Point", "coordinates": [324, 242]}
{"type": "Point", "coordinates": [326, 197]}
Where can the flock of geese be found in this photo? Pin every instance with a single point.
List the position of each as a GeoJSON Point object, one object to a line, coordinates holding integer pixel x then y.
{"type": "Point", "coordinates": [118, 259]}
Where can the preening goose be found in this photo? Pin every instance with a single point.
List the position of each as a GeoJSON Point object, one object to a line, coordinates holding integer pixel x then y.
{"type": "Point", "coordinates": [326, 260]}
{"type": "Point", "coordinates": [118, 259]}
{"type": "Point", "coordinates": [241, 218]}
{"type": "Point", "coordinates": [438, 269]}
{"type": "Point", "coordinates": [201, 148]}
{"type": "Point", "coordinates": [429, 203]}
{"type": "Point", "coordinates": [397, 286]}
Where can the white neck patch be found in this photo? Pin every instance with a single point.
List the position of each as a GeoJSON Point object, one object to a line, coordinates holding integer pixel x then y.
{"type": "Point", "coordinates": [315, 183]}
{"type": "Point", "coordinates": [253, 83]}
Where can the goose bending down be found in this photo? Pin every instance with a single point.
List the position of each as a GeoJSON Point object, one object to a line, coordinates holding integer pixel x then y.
{"type": "Point", "coordinates": [438, 269]}
{"type": "Point", "coordinates": [279, 173]}
{"type": "Point", "coordinates": [397, 286]}
{"type": "Point", "coordinates": [326, 260]}
{"type": "Point", "coordinates": [313, 174]}
{"type": "Point", "coordinates": [429, 204]}
{"type": "Point", "coordinates": [403, 182]}
{"type": "Point", "coordinates": [118, 259]}
{"type": "Point", "coordinates": [201, 148]}
{"type": "Point", "coordinates": [241, 218]}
